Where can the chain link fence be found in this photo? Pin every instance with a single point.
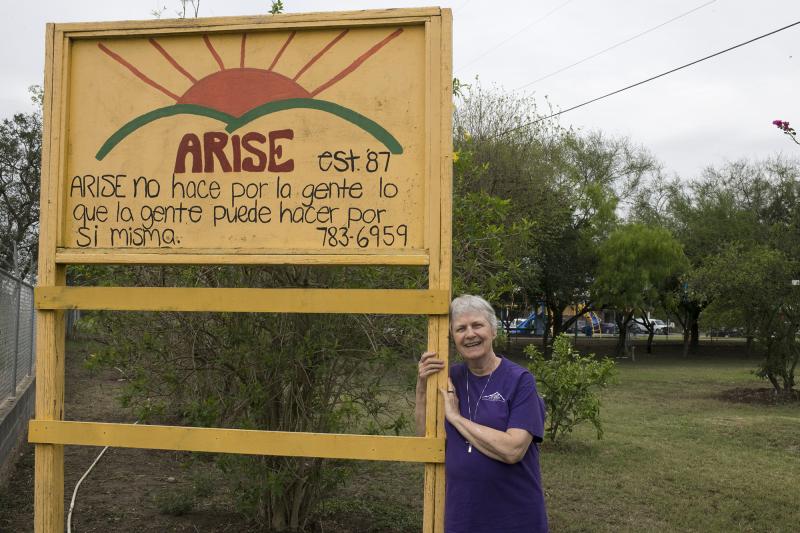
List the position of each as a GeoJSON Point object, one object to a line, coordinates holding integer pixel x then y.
{"type": "Point", "coordinates": [17, 333]}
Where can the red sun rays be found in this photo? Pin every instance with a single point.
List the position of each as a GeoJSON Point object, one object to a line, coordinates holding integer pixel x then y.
{"type": "Point", "coordinates": [236, 91]}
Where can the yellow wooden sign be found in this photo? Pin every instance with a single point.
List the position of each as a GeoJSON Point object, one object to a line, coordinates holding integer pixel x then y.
{"type": "Point", "coordinates": [261, 139]}
{"type": "Point", "coordinates": [320, 138]}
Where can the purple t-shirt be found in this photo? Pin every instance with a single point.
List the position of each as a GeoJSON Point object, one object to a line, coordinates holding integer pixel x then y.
{"type": "Point", "coordinates": [484, 495]}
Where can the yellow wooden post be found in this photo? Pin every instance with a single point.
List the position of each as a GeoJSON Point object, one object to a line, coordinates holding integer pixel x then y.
{"type": "Point", "coordinates": [440, 235]}
{"type": "Point", "coordinates": [445, 163]}
{"type": "Point", "coordinates": [49, 468]}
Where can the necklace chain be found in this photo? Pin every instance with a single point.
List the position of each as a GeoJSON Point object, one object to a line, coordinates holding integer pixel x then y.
{"type": "Point", "coordinates": [469, 407]}
{"type": "Point", "coordinates": [477, 403]}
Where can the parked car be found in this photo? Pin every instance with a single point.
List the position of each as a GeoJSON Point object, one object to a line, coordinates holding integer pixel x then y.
{"type": "Point", "coordinates": [659, 326]}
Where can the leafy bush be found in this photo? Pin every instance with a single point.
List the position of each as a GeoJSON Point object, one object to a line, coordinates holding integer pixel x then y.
{"type": "Point", "coordinates": [278, 372]}
{"type": "Point", "coordinates": [568, 383]}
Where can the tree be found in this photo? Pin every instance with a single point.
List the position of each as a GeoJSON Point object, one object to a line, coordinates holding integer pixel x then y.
{"type": "Point", "coordinates": [595, 173]}
{"type": "Point", "coordinates": [781, 350]}
{"type": "Point", "coordinates": [750, 286]}
{"type": "Point", "coordinates": [495, 173]}
{"type": "Point", "coordinates": [635, 263]}
{"type": "Point", "coordinates": [742, 283]}
{"type": "Point", "coordinates": [20, 161]}
{"type": "Point", "coordinates": [743, 202]}
{"type": "Point", "coordinates": [486, 236]}
{"type": "Point", "coordinates": [704, 215]}
{"type": "Point", "coordinates": [565, 186]}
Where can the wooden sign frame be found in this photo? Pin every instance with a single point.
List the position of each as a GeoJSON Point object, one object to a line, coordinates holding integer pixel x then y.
{"type": "Point", "coordinates": [50, 432]}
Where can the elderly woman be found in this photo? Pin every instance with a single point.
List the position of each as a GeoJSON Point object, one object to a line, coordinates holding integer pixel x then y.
{"type": "Point", "coordinates": [494, 420]}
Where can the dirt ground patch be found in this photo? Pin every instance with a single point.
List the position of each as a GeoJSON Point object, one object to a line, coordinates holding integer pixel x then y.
{"type": "Point", "coordinates": [760, 396]}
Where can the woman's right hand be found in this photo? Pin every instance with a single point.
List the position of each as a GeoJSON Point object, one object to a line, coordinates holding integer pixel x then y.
{"type": "Point", "coordinates": [429, 364]}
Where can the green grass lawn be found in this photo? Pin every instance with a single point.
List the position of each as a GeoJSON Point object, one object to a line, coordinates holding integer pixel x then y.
{"type": "Point", "coordinates": [676, 457]}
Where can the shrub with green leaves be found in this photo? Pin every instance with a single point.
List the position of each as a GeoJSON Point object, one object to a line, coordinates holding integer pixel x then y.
{"type": "Point", "coordinates": [569, 382]}
{"type": "Point", "coordinates": [267, 371]}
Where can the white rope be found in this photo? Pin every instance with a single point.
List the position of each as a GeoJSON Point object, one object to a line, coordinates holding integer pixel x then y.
{"type": "Point", "coordinates": [78, 484]}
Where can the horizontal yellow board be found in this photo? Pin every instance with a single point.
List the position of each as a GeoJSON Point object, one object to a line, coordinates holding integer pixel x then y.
{"type": "Point", "coordinates": [213, 23]}
{"type": "Point", "coordinates": [375, 301]}
{"type": "Point", "coordinates": [234, 257]}
{"type": "Point", "coordinates": [330, 446]}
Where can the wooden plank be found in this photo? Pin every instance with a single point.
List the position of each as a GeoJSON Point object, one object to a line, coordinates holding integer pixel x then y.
{"type": "Point", "coordinates": [245, 300]}
{"type": "Point", "coordinates": [252, 442]}
{"type": "Point", "coordinates": [246, 257]}
{"type": "Point", "coordinates": [392, 16]}
{"type": "Point", "coordinates": [61, 105]}
{"type": "Point", "coordinates": [48, 515]}
{"type": "Point", "coordinates": [444, 159]}
{"type": "Point", "coordinates": [162, 31]}
{"type": "Point", "coordinates": [446, 150]}
{"type": "Point", "coordinates": [49, 458]}
{"type": "Point", "coordinates": [51, 157]}
{"type": "Point", "coordinates": [433, 505]}
{"type": "Point", "coordinates": [433, 512]}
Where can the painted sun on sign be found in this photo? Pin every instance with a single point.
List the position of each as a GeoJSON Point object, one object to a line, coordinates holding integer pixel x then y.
{"type": "Point", "coordinates": [238, 95]}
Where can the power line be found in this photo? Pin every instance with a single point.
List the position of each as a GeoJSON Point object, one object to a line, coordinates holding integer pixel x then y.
{"type": "Point", "coordinates": [532, 122]}
{"type": "Point", "coordinates": [585, 59]}
{"type": "Point", "coordinates": [501, 43]}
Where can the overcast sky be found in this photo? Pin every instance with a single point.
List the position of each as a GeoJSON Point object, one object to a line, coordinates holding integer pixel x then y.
{"type": "Point", "coordinates": [717, 111]}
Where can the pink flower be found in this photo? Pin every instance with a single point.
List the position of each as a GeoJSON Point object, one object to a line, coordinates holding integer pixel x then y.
{"type": "Point", "coordinates": [778, 123]}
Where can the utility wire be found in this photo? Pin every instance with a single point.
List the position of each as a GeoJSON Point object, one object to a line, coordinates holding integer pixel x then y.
{"type": "Point", "coordinates": [501, 43]}
{"type": "Point", "coordinates": [532, 122]}
{"type": "Point", "coordinates": [585, 59]}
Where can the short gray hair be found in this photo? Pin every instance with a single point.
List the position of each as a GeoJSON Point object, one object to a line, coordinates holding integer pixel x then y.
{"type": "Point", "coordinates": [468, 303]}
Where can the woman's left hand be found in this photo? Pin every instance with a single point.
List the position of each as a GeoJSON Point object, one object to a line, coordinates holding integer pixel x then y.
{"type": "Point", "coordinates": [450, 401]}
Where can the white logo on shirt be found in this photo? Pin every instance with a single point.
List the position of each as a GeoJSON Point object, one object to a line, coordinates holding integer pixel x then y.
{"type": "Point", "coordinates": [494, 397]}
